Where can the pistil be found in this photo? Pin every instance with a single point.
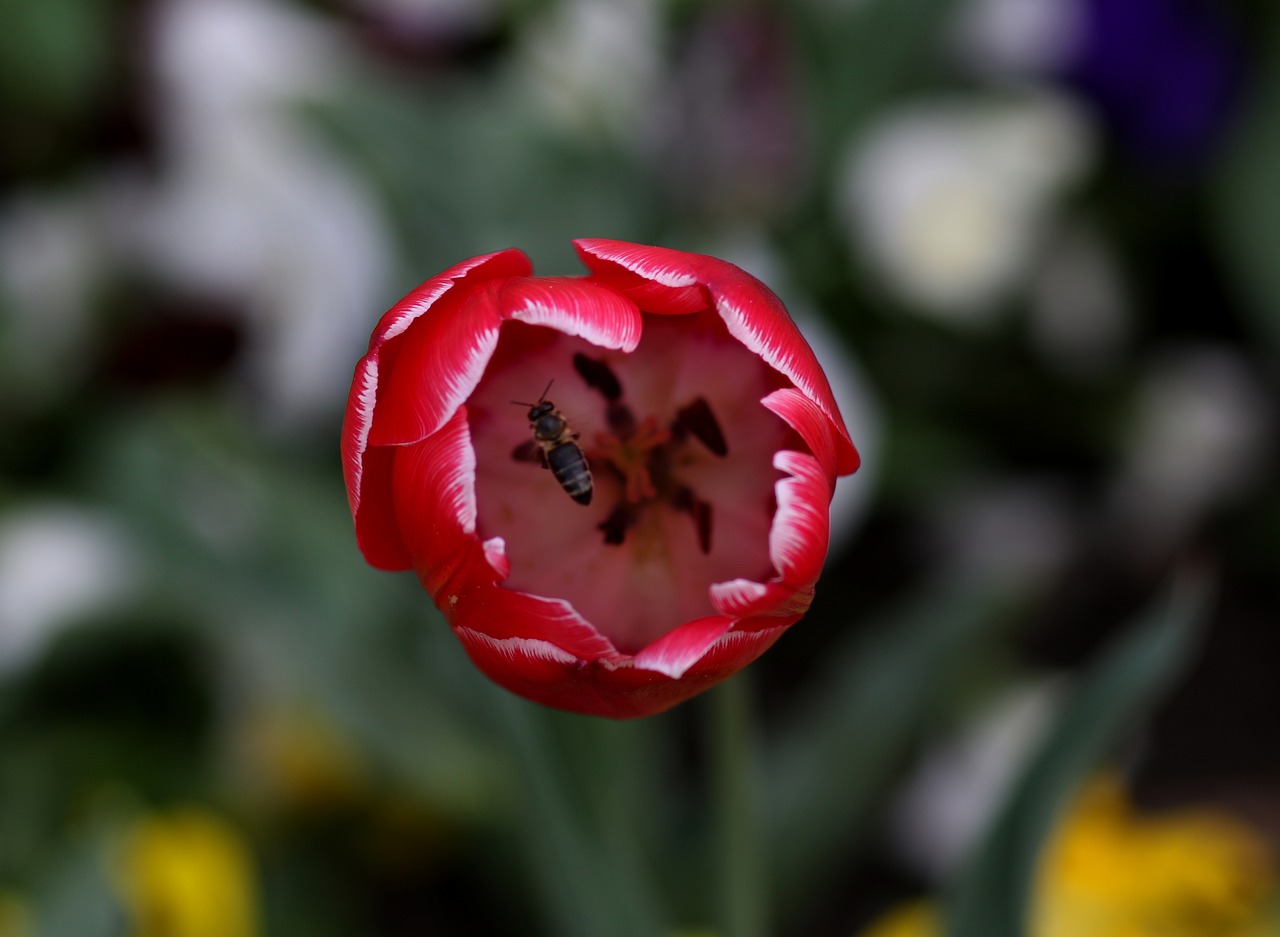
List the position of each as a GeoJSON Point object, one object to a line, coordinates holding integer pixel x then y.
{"type": "Point", "coordinates": [631, 456]}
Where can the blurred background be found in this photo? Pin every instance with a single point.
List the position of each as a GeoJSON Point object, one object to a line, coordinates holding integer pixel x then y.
{"type": "Point", "coordinates": [1036, 244]}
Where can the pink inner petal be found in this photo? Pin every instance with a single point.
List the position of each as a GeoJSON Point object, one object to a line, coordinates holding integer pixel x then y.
{"type": "Point", "coordinates": [658, 577]}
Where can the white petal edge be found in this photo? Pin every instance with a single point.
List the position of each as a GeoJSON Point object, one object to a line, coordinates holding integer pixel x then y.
{"type": "Point", "coordinates": [495, 554]}
{"type": "Point", "coordinates": [518, 648]}
{"type": "Point", "coordinates": [802, 513]}
{"type": "Point", "coordinates": [732, 597]}
{"type": "Point", "coordinates": [675, 652]}
{"type": "Point", "coordinates": [762, 635]}
{"type": "Point", "coordinates": [366, 400]}
{"type": "Point", "coordinates": [574, 315]}
{"type": "Point", "coordinates": [423, 303]}
{"type": "Point", "coordinates": [775, 353]}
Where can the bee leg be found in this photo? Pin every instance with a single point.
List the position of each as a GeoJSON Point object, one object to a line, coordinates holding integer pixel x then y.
{"type": "Point", "coordinates": [685, 500]}
{"type": "Point", "coordinates": [698, 420]}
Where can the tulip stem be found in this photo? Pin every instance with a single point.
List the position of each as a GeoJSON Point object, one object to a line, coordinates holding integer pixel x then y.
{"type": "Point", "coordinates": [736, 790]}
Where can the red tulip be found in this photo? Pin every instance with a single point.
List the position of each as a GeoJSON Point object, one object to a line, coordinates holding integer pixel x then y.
{"type": "Point", "coordinates": [709, 434]}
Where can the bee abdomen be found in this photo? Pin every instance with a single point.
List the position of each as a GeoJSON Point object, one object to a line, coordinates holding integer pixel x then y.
{"type": "Point", "coordinates": [570, 468]}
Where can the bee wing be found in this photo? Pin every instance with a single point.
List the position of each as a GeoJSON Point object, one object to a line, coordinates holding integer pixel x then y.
{"type": "Point", "coordinates": [529, 451]}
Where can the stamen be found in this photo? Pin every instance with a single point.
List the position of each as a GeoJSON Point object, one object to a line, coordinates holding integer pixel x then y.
{"type": "Point", "coordinates": [697, 418]}
{"type": "Point", "coordinates": [615, 526]}
{"type": "Point", "coordinates": [622, 422]}
{"type": "Point", "coordinates": [631, 457]}
{"type": "Point", "coordinates": [685, 500]}
{"type": "Point", "coordinates": [598, 375]}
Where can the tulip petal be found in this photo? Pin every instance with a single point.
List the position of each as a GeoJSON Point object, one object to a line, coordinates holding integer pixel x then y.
{"type": "Point", "coordinates": [743, 598]}
{"type": "Point", "coordinates": [471, 603]}
{"type": "Point", "coordinates": [541, 672]}
{"type": "Point", "coordinates": [495, 553]}
{"type": "Point", "coordinates": [355, 428]}
{"type": "Point", "coordinates": [750, 310]}
{"type": "Point", "coordinates": [739, 647]}
{"type": "Point", "coordinates": [801, 525]}
{"type": "Point", "coordinates": [657, 282]}
{"type": "Point", "coordinates": [367, 475]}
{"type": "Point", "coordinates": [804, 416]}
{"type": "Point", "coordinates": [507, 263]}
{"type": "Point", "coordinates": [434, 485]}
{"type": "Point", "coordinates": [438, 363]}
{"type": "Point", "coordinates": [576, 307]}
{"type": "Point", "coordinates": [377, 529]}
{"type": "Point", "coordinates": [679, 649]}
{"type": "Point", "coordinates": [797, 545]}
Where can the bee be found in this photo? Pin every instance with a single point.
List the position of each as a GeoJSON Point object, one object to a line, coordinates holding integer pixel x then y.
{"type": "Point", "coordinates": [555, 446]}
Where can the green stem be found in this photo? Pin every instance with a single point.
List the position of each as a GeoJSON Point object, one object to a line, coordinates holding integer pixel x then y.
{"type": "Point", "coordinates": [736, 795]}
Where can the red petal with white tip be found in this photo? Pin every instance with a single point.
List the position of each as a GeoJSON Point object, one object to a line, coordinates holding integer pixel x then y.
{"type": "Point", "coordinates": [367, 474]}
{"type": "Point", "coordinates": [679, 649]}
{"type": "Point", "coordinates": [575, 307]}
{"type": "Point", "coordinates": [539, 671]}
{"type": "Point", "coordinates": [743, 598]}
{"type": "Point", "coordinates": [801, 525]}
{"type": "Point", "coordinates": [750, 310]}
{"type": "Point", "coordinates": [502, 264]}
{"type": "Point", "coordinates": [437, 365]}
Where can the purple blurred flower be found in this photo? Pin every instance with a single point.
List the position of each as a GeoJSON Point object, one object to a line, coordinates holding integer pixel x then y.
{"type": "Point", "coordinates": [1164, 73]}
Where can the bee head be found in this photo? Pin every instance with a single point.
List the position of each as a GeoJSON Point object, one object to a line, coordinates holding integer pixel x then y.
{"type": "Point", "coordinates": [541, 408]}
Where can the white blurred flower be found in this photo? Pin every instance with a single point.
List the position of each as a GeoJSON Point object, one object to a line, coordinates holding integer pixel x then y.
{"type": "Point", "coordinates": [431, 17]}
{"type": "Point", "coordinates": [949, 199]}
{"type": "Point", "coordinates": [1202, 431]}
{"type": "Point", "coordinates": [1079, 308]}
{"type": "Point", "coordinates": [1018, 533]}
{"type": "Point", "coordinates": [250, 204]}
{"type": "Point", "coordinates": [593, 66]}
{"type": "Point", "coordinates": [953, 794]}
{"type": "Point", "coordinates": [58, 562]}
{"type": "Point", "coordinates": [1003, 38]}
{"type": "Point", "coordinates": [52, 256]}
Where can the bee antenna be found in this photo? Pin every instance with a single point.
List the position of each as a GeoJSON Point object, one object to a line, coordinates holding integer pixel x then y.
{"type": "Point", "coordinates": [541, 400]}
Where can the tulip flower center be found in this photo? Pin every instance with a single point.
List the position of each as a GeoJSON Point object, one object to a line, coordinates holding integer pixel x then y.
{"type": "Point", "coordinates": [680, 454]}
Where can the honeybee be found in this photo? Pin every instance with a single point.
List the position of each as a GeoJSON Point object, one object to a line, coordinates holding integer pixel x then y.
{"type": "Point", "coordinates": [555, 446]}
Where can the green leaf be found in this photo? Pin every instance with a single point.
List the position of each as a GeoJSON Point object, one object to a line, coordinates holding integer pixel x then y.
{"type": "Point", "coordinates": [590, 791]}
{"type": "Point", "coordinates": [1248, 197]}
{"type": "Point", "coordinates": [990, 896]}
{"type": "Point", "coordinates": [861, 56]}
{"type": "Point", "coordinates": [837, 753]}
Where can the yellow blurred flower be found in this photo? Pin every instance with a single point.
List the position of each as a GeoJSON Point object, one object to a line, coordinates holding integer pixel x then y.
{"type": "Point", "coordinates": [187, 873]}
{"type": "Point", "coordinates": [1110, 872]}
{"type": "Point", "coordinates": [915, 919]}
{"type": "Point", "coordinates": [299, 760]}
{"type": "Point", "coordinates": [15, 917]}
